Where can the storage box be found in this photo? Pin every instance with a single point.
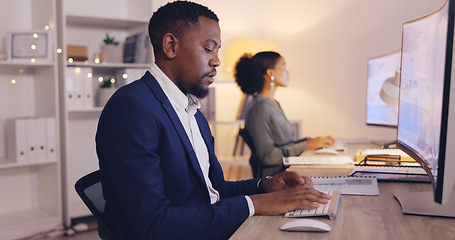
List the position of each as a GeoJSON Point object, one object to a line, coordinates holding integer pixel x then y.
{"type": "Point", "coordinates": [77, 53]}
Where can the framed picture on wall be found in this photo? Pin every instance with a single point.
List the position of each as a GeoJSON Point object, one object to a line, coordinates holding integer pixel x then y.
{"type": "Point", "coordinates": [30, 45]}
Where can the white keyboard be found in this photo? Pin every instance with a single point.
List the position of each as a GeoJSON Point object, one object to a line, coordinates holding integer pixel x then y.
{"type": "Point", "coordinates": [329, 209]}
{"type": "Point", "coordinates": [339, 146]}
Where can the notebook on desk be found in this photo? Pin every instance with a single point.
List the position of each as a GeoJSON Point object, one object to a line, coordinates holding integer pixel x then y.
{"type": "Point", "coordinates": [385, 154]}
{"type": "Point", "coordinates": [351, 185]}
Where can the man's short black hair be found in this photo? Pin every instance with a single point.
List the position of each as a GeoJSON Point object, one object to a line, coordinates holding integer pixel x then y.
{"type": "Point", "coordinates": [176, 18]}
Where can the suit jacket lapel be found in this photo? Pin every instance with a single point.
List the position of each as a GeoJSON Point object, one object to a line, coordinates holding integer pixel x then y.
{"type": "Point", "coordinates": [166, 104]}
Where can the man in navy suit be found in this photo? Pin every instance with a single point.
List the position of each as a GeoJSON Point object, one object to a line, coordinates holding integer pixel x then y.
{"type": "Point", "coordinates": [160, 176]}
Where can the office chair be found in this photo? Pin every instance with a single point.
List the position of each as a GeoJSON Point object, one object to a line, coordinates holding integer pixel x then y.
{"type": "Point", "coordinates": [241, 116]}
{"type": "Point", "coordinates": [89, 189]}
{"type": "Point", "coordinates": [256, 166]}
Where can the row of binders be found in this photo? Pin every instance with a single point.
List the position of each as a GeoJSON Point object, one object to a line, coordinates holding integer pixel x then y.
{"type": "Point", "coordinates": [31, 140]}
{"type": "Point", "coordinates": [82, 85]}
{"type": "Point", "coordinates": [79, 88]}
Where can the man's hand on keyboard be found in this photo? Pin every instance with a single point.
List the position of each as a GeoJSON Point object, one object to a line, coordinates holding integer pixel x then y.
{"type": "Point", "coordinates": [284, 180]}
{"type": "Point", "coordinates": [287, 191]}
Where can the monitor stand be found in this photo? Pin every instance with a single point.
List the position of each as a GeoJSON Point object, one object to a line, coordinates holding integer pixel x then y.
{"type": "Point", "coordinates": [422, 203]}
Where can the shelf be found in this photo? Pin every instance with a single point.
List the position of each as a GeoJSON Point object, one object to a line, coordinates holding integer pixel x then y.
{"type": "Point", "coordinates": [31, 199]}
{"type": "Point", "coordinates": [91, 110]}
{"type": "Point", "coordinates": [4, 164]}
{"type": "Point", "coordinates": [97, 22]}
{"type": "Point", "coordinates": [109, 65]}
{"type": "Point", "coordinates": [25, 63]}
{"type": "Point", "coordinates": [27, 222]}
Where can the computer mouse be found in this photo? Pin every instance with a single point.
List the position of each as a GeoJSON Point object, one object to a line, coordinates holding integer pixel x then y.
{"type": "Point", "coordinates": [326, 151]}
{"type": "Point", "coordinates": [305, 225]}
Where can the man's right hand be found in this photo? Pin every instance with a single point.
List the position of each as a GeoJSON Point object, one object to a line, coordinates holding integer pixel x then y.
{"type": "Point", "coordinates": [280, 202]}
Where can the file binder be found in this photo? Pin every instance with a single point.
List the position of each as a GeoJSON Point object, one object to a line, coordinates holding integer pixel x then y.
{"type": "Point", "coordinates": [32, 140]}
{"type": "Point", "coordinates": [16, 137]}
{"type": "Point", "coordinates": [88, 101]}
{"type": "Point", "coordinates": [51, 139]}
{"type": "Point", "coordinates": [79, 88]}
{"type": "Point", "coordinates": [41, 144]}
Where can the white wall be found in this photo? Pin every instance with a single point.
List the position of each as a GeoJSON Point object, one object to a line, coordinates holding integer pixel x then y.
{"type": "Point", "coordinates": [326, 45]}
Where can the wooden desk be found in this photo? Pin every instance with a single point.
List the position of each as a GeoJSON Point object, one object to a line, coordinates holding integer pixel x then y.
{"type": "Point", "coordinates": [360, 217]}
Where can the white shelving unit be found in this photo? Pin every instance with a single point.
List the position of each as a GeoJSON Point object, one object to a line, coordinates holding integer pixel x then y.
{"type": "Point", "coordinates": [30, 192]}
{"type": "Point", "coordinates": [82, 26]}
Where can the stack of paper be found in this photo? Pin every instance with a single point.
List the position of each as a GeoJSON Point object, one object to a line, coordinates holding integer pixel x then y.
{"type": "Point", "coordinates": [347, 185]}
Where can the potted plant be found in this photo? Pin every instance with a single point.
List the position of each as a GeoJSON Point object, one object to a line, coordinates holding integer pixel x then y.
{"type": "Point", "coordinates": [110, 52]}
{"type": "Point", "coordinates": [105, 90]}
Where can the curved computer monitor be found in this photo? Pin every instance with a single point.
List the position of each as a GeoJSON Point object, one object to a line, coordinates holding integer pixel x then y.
{"type": "Point", "coordinates": [383, 83]}
{"type": "Point", "coordinates": [426, 120]}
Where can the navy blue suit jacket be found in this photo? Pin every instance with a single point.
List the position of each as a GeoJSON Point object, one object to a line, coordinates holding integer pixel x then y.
{"type": "Point", "coordinates": [151, 178]}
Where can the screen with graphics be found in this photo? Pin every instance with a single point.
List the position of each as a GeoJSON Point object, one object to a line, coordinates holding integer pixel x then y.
{"type": "Point", "coordinates": [383, 84]}
{"type": "Point", "coordinates": [426, 122]}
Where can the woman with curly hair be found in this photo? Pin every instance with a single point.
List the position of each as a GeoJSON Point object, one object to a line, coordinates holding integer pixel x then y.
{"type": "Point", "coordinates": [269, 129]}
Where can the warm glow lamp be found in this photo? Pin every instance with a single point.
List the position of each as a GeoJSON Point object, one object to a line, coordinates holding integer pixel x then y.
{"type": "Point", "coordinates": [239, 46]}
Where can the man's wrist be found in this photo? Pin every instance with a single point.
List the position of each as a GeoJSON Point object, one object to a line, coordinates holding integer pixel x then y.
{"type": "Point", "coordinates": [261, 181]}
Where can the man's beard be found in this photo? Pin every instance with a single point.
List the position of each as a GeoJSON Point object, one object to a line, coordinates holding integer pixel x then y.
{"type": "Point", "coordinates": [199, 90]}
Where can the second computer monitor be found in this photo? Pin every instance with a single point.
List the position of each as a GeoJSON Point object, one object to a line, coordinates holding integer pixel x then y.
{"type": "Point", "coordinates": [383, 83]}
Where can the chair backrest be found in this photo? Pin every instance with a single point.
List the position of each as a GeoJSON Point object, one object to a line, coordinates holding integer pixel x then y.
{"type": "Point", "coordinates": [90, 190]}
{"type": "Point", "coordinates": [256, 166]}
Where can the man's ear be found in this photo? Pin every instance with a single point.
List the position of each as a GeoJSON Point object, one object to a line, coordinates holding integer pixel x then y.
{"type": "Point", "coordinates": [170, 45]}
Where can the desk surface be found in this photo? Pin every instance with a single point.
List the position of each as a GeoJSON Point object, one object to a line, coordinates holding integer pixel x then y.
{"type": "Point", "coordinates": [359, 217]}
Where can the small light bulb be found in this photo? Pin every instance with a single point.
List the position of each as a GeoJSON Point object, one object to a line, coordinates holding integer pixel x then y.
{"type": "Point", "coordinates": [35, 35]}
{"type": "Point", "coordinates": [89, 75]}
{"type": "Point", "coordinates": [97, 60]}
{"type": "Point", "coordinates": [112, 80]}
{"type": "Point", "coordinates": [100, 79]}
{"type": "Point", "coordinates": [13, 81]}
{"type": "Point", "coordinates": [32, 60]}
{"type": "Point", "coordinates": [33, 46]}
{"type": "Point", "coordinates": [59, 50]}
{"type": "Point", "coordinates": [125, 76]}
{"type": "Point", "coordinates": [47, 27]}
{"type": "Point", "coordinates": [21, 70]}
{"type": "Point", "coordinates": [70, 60]}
